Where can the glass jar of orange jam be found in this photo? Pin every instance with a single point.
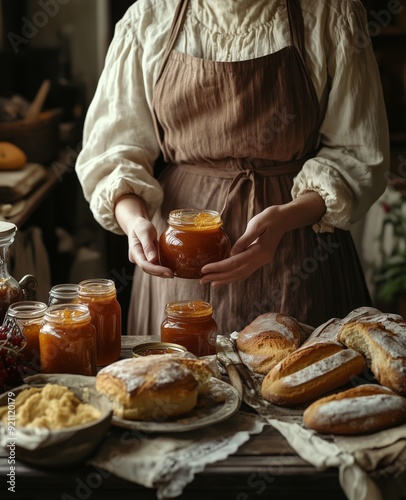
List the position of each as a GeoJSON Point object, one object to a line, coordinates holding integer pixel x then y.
{"type": "Point", "coordinates": [67, 340]}
{"type": "Point", "coordinates": [29, 316]}
{"type": "Point", "coordinates": [100, 296]}
{"type": "Point", "coordinates": [190, 324]}
{"type": "Point", "coordinates": [192, 239]}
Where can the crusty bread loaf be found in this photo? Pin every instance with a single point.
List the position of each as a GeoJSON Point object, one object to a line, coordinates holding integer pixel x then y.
{"type": "Point", "coordinates": [381, 338]}
{"type": "Point", "coordinates": [268, 340]}
{"type": "Point", "coordinates": [362, 409]}
{"type": "Point", "coordinates": [331, 328]}
{"type": "Point", "coordinates": [153, 387]}
{"type": "Point", "coordinates": [310, 372]}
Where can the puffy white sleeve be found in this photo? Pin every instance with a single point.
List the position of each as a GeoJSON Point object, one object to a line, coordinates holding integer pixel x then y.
{"type": "Point", "coordinates": [119, 141]}
{"type": "Point", "coordinates": [349, 169]}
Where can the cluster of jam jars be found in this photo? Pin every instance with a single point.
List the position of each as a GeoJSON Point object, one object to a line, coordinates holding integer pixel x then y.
{"type": "Point", "coordinates": [78, 330]}
{"type": "Point", "coordinates": [192, 239]}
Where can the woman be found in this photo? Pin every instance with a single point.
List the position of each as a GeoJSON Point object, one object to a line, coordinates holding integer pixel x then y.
{"type": "Point", "coordinates": [268, 111]}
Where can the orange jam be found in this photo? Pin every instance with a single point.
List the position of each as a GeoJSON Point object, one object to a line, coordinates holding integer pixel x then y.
{"type": "Point", "coordinates": [101, 298]}
{"type": "Point", "coordinates": [67, 340]}
{"type": "Point", "coordinates": [192, 239]}
{"type": "Point", "coordinates": [191, 324]}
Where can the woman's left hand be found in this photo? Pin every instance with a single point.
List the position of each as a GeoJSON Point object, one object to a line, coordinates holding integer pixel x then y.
{"type": "Point", "coordinates": [258, 244]}
{"type": "Point", "coordinates": [255, 248]}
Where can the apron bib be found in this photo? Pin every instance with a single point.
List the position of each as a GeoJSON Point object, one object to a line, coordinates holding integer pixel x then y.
{"type": "Point", "coordinates": [234, 135]}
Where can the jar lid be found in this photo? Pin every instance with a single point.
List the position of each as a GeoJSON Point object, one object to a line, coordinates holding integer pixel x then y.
{"type": "Point", "coordinates": [154, 348]}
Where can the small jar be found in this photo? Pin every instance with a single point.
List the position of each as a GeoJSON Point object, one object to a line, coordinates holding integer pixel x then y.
{"type": "Point", "coordinates": [67, 340]}
{"type": "Point", "coordinates": [65, 293]}
{"type": "Point", "coordinates": [100, 296]}
{"type": "Point", "coordinates": [192, 239]}
{"type": "Point", "coordinates": [190, 324]}
{"type": "Point", "coordinates": [29, 316]}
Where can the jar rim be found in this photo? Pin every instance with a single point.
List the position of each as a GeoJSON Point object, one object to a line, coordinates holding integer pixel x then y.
{"type": "Point", "coordinates": [194, 217]}
{"type": "Point", "coordinates": [96, 286]}
{"type": "Point", "coordinates": [58, 312]}
{"type": "Point", "coordinates": [7, 230]}
{"type": "Point", "coordinates": [64, 290]}
{"type": "Point", "coordinates": [26, 309]}
{"type": "Point", "coordinates": [189, 309]}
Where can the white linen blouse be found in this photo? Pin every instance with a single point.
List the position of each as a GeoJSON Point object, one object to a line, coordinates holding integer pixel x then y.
{"type": "Point", "coordinates": [119, 141]}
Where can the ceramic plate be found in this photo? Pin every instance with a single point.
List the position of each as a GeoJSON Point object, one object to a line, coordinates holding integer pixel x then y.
{"type": "Point", "coordinates": [220, 403]}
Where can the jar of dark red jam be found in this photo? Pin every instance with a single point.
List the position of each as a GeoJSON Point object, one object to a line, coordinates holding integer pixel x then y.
{"type": "Point", "coordinates": [192, 239]}
{"type": "Point", "coordinates": [67, 340]}
{"type": "Point", "coordinates": [190, 324]}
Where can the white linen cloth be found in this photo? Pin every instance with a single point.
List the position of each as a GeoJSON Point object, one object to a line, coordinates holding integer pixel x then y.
{"type": "Point", "coordinates": [371, 467]}
{"type": "Point", "coordinates": [170, 462]}
{"type": "Point", "coordinates": [119, 143]}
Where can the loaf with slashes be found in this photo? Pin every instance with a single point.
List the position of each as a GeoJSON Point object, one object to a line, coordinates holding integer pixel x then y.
{"type": "Point", "coordinates": [381, 339]}
{"type": "Point", "coordinates": [363, 409]}
{"type": "Point", "coordinates": [311, 372]}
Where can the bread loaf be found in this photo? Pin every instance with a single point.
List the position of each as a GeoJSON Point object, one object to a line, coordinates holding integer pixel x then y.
{"type": "Point", "coordinates": [331, 328]}
{"type": "Point", "coordinates": [362, 409]}
{"type": "Point", "coordinates": [381, 338]}
{"type": "Point", "coordinates": [310, 372]}
{"type": "Point", "coordinates": [153, 387]}
{"type": "Point", "coordinates": [268, 340]}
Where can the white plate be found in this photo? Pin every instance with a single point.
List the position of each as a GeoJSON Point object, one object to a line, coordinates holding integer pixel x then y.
{"type": "Point", "coordinates": [221, 403]}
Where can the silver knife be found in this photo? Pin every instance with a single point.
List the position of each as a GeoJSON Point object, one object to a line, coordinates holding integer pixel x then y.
{"type": "Point", "coordinates": [226, 346]}
{"type": "Point", "coordinates": [232, 373]}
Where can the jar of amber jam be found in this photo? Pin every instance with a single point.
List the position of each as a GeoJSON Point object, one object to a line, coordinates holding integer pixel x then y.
{"type": "Point", "coordinates": [190, 324]}
{"type": "Point", "coordinates": [67, 340]}
{"type": "Point", "coordinates": [192, 239]}
{"type": "Point", "coordinates": [100, 296]}
{"type": "Point", "coordinates": [65, 293]}
{"type": "Point", "coordinates": [29, 316]}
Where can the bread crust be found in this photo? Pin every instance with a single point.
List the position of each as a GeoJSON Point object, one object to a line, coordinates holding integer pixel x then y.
{"type": "Point", "coordinates": [268, 340]}
{"type": "Point", "coordinates": [311, 372]}
{"type": "Point", "coordinates": [363, 409]}
{"type": "Point", "coordinates": [381, 339]}
{"type": "Point", "coordinates": [149, 387]}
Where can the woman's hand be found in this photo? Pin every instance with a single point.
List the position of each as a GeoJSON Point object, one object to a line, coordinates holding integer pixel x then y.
{"type": "Point", "coordinates": [258, 244]}
{"type": "Point", "coordinates": [132, 216]}
{"type": "Point", "coordinates": [254, 249]}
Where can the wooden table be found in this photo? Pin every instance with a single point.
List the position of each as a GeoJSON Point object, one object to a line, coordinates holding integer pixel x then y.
{"type": "Point", "coordinates": [264, 467]}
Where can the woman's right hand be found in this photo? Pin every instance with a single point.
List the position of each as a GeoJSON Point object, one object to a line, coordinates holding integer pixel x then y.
{"type": "Point", "coordinates": [142, 237]}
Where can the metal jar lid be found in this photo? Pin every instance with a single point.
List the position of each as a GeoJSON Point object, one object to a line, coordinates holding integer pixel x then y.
{"type": "Point", "coordinates": [147, 348]}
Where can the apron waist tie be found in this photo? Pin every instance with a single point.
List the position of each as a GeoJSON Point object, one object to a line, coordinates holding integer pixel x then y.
{"type": "Point", "coordinates": [236, 172]}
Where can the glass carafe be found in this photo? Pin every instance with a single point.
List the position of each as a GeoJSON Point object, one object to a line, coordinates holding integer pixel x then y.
{"type": "Point", "coordinates": [12, 290]}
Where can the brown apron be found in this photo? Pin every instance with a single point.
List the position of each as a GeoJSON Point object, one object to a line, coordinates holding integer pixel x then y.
{"type": "Point", "coordinates": [234, 135]}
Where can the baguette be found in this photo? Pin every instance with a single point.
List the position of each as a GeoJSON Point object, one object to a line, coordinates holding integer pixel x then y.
{"type": "Point", "coordinates": [310, 372]}
{"type": "Point", "coordinates": [362, 409]}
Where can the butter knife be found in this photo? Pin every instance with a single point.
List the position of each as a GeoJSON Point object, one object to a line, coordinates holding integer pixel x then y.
{"type": "Point", "coordinates": [226, 346]}
{"type": "Point", "coordinates": [232, 373]}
